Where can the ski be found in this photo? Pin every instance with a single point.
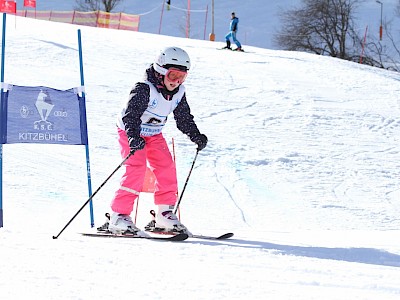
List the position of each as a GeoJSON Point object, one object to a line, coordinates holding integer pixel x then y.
{"type": "Point", "coordinates": [172, 238]}
{"type": "Point", "coordinates": [102, 231]}
{"type": "Point", "coordinates": [207, 237]}
{"type": "Point", "coordinates": [196, 236]}
{"type": "Point", "coordinates": [151, 227]}
{"type": "Point", "coordinates": [234, 50]}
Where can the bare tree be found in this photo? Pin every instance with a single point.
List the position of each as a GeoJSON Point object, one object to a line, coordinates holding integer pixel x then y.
{"type": "Point", "coordinates": [398, 9]}
{"type": "Point", "coordinates": [319, 26]}
{"type": "Point", "coordinates": [93, 5]}
{"type": "Point", "coordinates": [383, 55]}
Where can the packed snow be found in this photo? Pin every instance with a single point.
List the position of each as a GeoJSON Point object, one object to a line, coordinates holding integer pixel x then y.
{"type": "Point", "coordinates": [303, 165]}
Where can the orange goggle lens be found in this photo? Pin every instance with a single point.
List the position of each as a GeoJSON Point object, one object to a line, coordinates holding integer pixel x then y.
{"type": "Point", "coordinates": [175, 75]}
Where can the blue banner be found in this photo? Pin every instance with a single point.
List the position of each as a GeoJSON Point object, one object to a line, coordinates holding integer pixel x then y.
{"type": "Point", "coordinates": [43, 115]}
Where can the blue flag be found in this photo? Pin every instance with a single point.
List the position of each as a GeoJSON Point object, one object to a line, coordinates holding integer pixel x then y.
{"type": "Point", "coordinates": [43, 115]}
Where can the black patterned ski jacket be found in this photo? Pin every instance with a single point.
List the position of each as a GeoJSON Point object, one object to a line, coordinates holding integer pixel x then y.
{"type": "Point", "coordinates": [139, 100]}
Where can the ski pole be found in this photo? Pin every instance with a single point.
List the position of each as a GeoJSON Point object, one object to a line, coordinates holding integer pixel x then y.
{"type": "Point", "coordinates": [184, 187]}
{"type": "Point", "coordinates": [90, 198]}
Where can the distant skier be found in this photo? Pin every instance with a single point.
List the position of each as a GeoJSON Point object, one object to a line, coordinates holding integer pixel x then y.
{"type": "Point", "coordinates": [233, 28]}
{"type": "Point", "coordinates": [139, 130]}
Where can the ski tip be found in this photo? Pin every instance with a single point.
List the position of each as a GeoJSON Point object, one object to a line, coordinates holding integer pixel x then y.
{"type": "Point", "coordinates": [225, 236]}
{"type": "Point", "coordinates": [179, 237]}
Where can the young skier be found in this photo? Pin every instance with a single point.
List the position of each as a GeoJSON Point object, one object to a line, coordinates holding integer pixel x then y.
{"type": "Point", "coordinates": [140, 125]}
{"type": "Point", "coordinates": [233, 28]}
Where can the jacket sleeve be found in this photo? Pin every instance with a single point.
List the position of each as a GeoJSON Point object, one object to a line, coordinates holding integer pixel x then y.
{"type": "Point", "coordinates": [137, 104]}
{"type": "Point", "coordinates": [184, 119]}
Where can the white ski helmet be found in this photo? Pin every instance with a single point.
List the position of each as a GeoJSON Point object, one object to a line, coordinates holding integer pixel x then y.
{"type": "Point", "coordinates": [171, 57]}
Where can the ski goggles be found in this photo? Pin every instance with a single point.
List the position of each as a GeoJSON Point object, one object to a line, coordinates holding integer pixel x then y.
{"type": "Point", "coordinates": [175, 75]}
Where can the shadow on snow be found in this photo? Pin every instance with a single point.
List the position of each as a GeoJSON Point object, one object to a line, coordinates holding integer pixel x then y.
{"type": "Point", "coordinates": [358, 255]}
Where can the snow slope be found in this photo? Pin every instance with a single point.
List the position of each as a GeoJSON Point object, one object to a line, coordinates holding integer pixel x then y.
{"type": "Point", "coordinates": [302, 165]}
{"type": "Point", "coordinates": [259, 19]}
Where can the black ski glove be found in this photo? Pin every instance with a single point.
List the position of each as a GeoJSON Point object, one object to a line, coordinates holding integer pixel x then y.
{"type": "Point", "coordinates": [201, 141]}
{"type": "Point", "coordinates": [136, 143]}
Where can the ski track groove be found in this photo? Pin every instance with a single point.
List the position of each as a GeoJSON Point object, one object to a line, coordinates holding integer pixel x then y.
{"type": "Point", "coordinates": [243, 217]}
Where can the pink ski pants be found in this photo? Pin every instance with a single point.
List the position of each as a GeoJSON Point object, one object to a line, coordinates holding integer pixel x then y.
{"type": "Point", "coordinates": [157, 154]}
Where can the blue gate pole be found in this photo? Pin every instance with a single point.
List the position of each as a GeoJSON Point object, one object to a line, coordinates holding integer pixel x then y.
{"type": "Point", "coordinates": [3, 46]}
{"type": "Point", "coordinates": [87, 144]}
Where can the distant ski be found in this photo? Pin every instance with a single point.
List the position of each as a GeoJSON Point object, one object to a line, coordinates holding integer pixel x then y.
{"type": "Point", "coordinates": [234, 50]}
{"type": "Point", "coordinates": [171, 238]}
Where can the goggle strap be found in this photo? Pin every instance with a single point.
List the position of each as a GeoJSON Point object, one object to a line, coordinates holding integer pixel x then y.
{"type": "Point", "coordinates": [160, 69]}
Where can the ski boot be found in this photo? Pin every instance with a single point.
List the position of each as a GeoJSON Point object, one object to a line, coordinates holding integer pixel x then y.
{"type": "Point", "coordinates": [165, 221]}
{"type": "Point", "coordinates": [228, 45]}
{"type": "Point", "coordinates": [122, 224]}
